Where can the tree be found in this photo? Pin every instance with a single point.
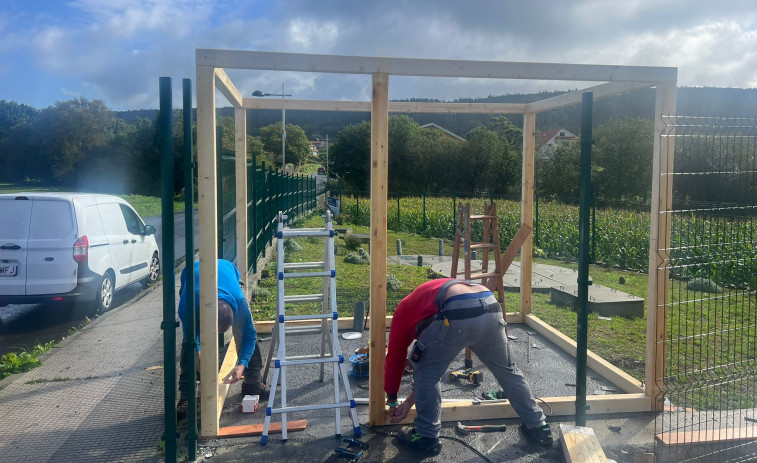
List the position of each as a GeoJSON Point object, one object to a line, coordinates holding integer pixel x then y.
{"type": "Point", "coordinates": [297, 144]}
{"type": "Point", "coordinates": [622, 157]}
{"type": "Point", "coordinates": [557, 173]}
{"type": "Point", "coordinates": [350, 155]}
{"type": "Point", "coordinates": [487, 164]}
{"type": "Point", "coordinates": [12, 113]}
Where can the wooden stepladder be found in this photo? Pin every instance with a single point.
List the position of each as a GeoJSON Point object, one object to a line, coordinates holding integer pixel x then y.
{"type": "Point", "coordinates": [328, 318]}
{"type": "Point", "coordinates": [489, 248]}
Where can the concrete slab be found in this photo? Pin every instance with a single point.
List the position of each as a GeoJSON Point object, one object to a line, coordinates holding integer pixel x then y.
{"type": "Point", "coordinates": [605, 301]}
{"type": "Point", "coordinates": [544, 276]}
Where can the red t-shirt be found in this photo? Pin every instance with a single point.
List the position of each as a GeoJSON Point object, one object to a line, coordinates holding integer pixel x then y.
{"type": "Point", "coordinates": [412, 309]}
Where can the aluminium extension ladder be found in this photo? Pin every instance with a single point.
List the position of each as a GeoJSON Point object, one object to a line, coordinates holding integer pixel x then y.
{"type": "Point", "coordinates": [328, 316]}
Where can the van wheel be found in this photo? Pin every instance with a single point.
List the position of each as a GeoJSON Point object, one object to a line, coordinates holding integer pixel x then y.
{"type": "Point", "coordinates": [154, 273]}
{"type": "Point", "coordinates": [104, 298]}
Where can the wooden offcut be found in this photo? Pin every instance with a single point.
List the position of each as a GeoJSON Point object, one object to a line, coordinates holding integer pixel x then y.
{"type": "Point", "coordinates": [257, 429]}
{"type": "Point", "coordinates": [707, 436]}
{"type": "Point", "coordinates": [580, 445]}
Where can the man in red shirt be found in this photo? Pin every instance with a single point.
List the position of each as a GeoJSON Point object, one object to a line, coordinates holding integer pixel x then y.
{"type": "Point", "coordinates": [444, 316]}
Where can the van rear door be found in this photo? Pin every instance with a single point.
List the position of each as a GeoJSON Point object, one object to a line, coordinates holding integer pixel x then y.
{"type": "Point", "coordinates": [14, 233]}
{"type": "Point", "coordinates": [51, 268]}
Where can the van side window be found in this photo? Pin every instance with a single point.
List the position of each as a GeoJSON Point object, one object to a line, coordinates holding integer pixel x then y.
{"type": "Point", "coordinates": [133, 224]}
{"type": "Point", "coordinates": [113, 219]}
{"type": "Point", "coordinates": [16, 216]}
{"type": "Point", "coordinates": [51, 220]}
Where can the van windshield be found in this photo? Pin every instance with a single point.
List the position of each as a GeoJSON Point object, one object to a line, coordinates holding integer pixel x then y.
{"type": "Point", "coordinates": [14, 219]}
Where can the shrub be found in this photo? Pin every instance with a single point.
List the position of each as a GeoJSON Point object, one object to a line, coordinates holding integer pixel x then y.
{"type": "Point", "coordinates": [351, 242]}
{"type": "Point", "coordinates": [393, 283]}
{"type": "Point", "coordinates": [259, 293]}
{"type": "Point", "coordinates": [703, 284]}
{"type": "Point", "coordinates": [290, 245]}
{"type": "Point", "coordinates": [361, 257]}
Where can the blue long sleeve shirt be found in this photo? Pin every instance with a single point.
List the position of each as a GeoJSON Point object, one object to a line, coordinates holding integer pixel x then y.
{"type": "Point", "coordinates": [229, 291]}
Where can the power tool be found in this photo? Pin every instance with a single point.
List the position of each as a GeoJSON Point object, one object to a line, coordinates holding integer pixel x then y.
{"type": "Point", "coordinates": [474, 376]}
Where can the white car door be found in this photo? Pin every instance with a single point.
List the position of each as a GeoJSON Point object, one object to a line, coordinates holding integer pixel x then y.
{"type": "Point", "coordinates": [119, 241]}
{"type": "Point", "coordinates": [50, 265]}
{"type": "Point", "coordinates": [14, 234]}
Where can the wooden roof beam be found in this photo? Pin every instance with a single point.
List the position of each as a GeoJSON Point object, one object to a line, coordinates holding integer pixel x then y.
{"type": "Point", "coordinates": [394, 107]}
{"type": "Point", "coordinates": [571, 98]}
{"type": "Point", "coordinates": [227, 88]}
{"type": "Point", "coordinates": [340, 64]}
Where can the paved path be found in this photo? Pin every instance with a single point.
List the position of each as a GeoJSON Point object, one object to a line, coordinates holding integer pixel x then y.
{"type": "Point", "coordinates": [98, 397]}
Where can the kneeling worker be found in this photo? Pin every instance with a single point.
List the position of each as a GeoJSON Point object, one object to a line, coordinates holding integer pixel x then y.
{"type": "Point", "coordinates": [445, 316]}
{"type": "Point", "coordinates": [233, 312]}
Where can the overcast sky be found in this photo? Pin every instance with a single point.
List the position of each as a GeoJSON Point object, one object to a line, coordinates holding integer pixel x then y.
{"type": "Point", "coordinates": [115, 50]}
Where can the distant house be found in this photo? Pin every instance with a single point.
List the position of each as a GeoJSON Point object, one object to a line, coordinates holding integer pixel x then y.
{"type": "Point", "coordinates": [432, 126]}
{"type": "Point", "coordinates": [313, 149]}
{"type": "Point", "coordinates": [551, 138]}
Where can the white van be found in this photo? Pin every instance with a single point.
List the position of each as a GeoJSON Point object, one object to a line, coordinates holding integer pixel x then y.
{"type": "Point", "coordinates": [63, 246]}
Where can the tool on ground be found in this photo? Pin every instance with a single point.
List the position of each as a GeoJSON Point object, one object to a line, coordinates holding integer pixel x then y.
{"type": "Point", "coordinates": [494, 394]}
{"type": "Point", "coordinates": [474, 376]}
{"type": "Point", "coordinates": [359, 366]}
{"type": "Point", "coordinates": [357, 443]}
{"type": "Point", "coordinates": [465, 429]}
{"type": "Point", "coordinates": [477, 401]}
{"type": "Point", "coordinates": [349, 454]}
{"type": "Point", "coordinates": [328, 327]}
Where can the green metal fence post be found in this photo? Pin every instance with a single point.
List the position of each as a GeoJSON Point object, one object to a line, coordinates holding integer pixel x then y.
{"type": "Point", "coordinates": [254, 213]}
{"type": "Point", "coordinates": [190, 344]}
{"type": "Point", "coordinates": [536, 220]}
{"type": "Point", "coordinates": [169, 276]}
{"type": "Point", "coordinates": [398, 212]}
{"type": "Point", "coordinates": [583, 258]}
{"type": "Point", "coordinates": [424, 211]}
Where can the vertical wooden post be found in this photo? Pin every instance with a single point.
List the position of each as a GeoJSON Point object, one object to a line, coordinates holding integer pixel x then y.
{"type": "Point", "coordinates": [206, 182]}
{"type": "Point", "coordinates": [240, 147]}
{"type": "Point", "coordinates": [659, 244]}
{"type": "Point", "coordinates": [379, 180]}
{"type": "Point", "coordinates": [527, 210]}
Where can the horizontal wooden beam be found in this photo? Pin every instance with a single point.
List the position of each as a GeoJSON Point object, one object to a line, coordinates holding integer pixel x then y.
{"type": "Point", "coordinates": [709, 436]}
{"type": "Point", "coordinates": [340, 64]}
{"type": "Point", "coordinates": [394, 107]}
{"type": "Point", "coordinates": [257, 429]}
{"type": "Point", "coordinates": [558, 406]}
{"type": "Point", "coordinates": [346, 323]}
{"type": "Point", "coordinates": [227, 88]}
{"type": "Point", "coordinates": [571, 98]}
{"type": "Point", "coordinates": [608, 371]}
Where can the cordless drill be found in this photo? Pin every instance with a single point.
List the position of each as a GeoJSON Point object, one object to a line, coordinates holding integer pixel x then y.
{"type": "Point", "coordinates": [474, 376]}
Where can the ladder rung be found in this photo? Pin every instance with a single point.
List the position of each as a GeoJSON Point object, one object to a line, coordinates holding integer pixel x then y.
{"type": "Point", "coordinates": [303, 265]}
{"type": "Point", "coordinates": [304, 298]}
{"type": "Point", "coordinates": [307, 361]}
{"type": "Point", "coordinates": [326, 273]}
{"type": "Point", "coordinates": [478, 276]}
{"type": "Point", "coordinates": [480, 217]}
{"type": "Point", "coordinates": [482, 246]}
{"type": "Point", "coordinates": [303, 408]}
{"type": "Point", "coordinates": [317, 316]}
{"type": "Point", "coordinates": [292, 232]}
{"type": "Point", "coordinates": [301, 357]}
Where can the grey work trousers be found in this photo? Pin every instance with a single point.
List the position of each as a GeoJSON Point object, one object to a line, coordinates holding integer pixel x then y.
{"type": "Point", "coordinates": [485, 334]}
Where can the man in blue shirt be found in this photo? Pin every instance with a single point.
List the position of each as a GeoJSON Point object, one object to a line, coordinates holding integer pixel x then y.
{"type": "Point", "coordinates": [234, 313]}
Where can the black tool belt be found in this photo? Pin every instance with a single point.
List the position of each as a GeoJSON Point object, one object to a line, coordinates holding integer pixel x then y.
{"type": "Point", "coordinates": [470, 308]}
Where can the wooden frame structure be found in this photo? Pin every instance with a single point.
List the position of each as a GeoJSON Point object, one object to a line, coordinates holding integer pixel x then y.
{"type": "Point", "coordinates": [613, 80]}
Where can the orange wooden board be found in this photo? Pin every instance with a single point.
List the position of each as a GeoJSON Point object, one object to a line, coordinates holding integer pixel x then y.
{"type": "Point", "coordinates": [256, 429]}
{"type": "Point", "coordinates": [707, 436]}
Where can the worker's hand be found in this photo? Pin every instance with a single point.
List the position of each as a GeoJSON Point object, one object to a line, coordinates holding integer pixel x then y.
{"type": "Point", "coordinates": [400, 412]}
{"type": "Point", "coordinates": [235, 375]}
{"type": "Point", "coordinates": [197, 361]}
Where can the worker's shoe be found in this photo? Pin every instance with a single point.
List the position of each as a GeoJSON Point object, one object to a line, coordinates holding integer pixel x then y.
{"type": "Point", "coordinates": [540, 435]}
{"type": "Point", "coordinates": [410, 438]}
{"type": "Point", "coordinates": [181, 409]}
{"type": "Point", "coordinates": [259, 389]}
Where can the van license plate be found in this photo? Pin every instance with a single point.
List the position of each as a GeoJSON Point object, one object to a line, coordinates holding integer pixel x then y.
{"type": "Point", "coordinates": [8, 270]}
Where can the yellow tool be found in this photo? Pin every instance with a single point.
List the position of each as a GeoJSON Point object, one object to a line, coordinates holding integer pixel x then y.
{"type": "Point", "coordinates": [474, 376]}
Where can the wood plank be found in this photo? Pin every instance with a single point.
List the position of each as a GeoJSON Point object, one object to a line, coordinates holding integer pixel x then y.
{"type": "Point", "coordinates": [514, 247]}
{"type": "Point", "coordinates": [229, 361]}
{"type": "Point", "coordinates": [257, 429]}
{"type": "Point", "coordinates": [240, 163]}
{"type": "Point", "coordinates": [608, 371]}
{"type": "Point", "coordinates": [708, 436]}
{"type": "Point", "coordinates": [341, 64]}
{"type": "Point", "coordinates": [379, 193]}
{"type": "Point", "coordinates": [580, 445]}
{"type": "Point", "coordinates": [527, 211]}
{"type": "Point", "coordinates": [659, 243]}
{"type": "Point", "coordinates": [575, 97]}
{"type": "Point", "coordinates": [560, 406]}
{"type": "Point", "coordinates": [394, 106]}
{"type": "Point", "coordinates": [206, 184]}
{"type": "Point", "coordinates": [227, 88]}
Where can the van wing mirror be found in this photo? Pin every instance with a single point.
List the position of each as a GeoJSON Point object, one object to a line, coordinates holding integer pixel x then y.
{"type": "Point", "coordinates": [150, 230]}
